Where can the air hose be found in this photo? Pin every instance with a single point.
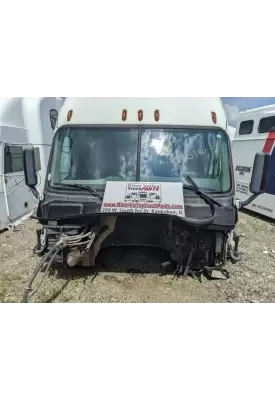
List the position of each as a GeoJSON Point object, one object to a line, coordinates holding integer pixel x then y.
{"type": "Point", "coordinates": [66, 241]}
{"type": "Point", "coordinates": [29, 292]}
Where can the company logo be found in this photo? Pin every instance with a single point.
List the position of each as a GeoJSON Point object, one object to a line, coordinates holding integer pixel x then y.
{"type": "Point", "coordinates": [243, 170]}
{"type": "Point", "coordinates": [140, 187]}
{"type": "Point", "coordinates": [148, 193]}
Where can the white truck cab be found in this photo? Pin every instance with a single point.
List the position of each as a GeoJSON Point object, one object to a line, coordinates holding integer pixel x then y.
{"type": "Point", "coordinates": [24, 122]}
{"type": "Point", "coordinates": [109, 154]}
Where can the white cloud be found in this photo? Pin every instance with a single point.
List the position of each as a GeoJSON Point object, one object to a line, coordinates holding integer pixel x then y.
{"type": "Point", "coordinates": [232, 114]}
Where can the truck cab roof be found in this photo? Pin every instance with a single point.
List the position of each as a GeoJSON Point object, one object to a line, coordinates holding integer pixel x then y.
{"type": "Point", "coordinates": [174, 111]}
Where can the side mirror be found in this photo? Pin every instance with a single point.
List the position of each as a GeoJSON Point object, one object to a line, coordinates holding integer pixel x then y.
{"type": "Point", "coordinates": [259, 178]}
{"type": "Point", "coordinates": [30, 170]}
{"type": "Point", "coordinates": [53, 118]}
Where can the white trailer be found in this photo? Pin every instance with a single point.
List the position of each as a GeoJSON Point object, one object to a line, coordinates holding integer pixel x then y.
{"type": "Point", "coordinates": [255, 133]}
{"type": "Point", "coordinates": [24, 122]}
{"type": "Point", "coordinates": [231, 131]}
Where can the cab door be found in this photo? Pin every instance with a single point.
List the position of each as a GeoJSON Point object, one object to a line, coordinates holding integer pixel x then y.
{"type": "Point", "coordinates": [3, 206]}
{"type": "Point", "coordinates": [19, 198]}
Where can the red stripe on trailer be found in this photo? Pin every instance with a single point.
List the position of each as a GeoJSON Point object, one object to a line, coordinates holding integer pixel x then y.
{"type": "Point", "coordinates": [269, 142]}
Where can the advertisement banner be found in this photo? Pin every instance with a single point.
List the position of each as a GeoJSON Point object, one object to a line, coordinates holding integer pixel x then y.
{"type": "Point", "coordinates": [144, 198]}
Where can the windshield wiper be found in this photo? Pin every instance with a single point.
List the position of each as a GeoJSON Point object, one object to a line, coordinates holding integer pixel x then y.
{"type": "Point", "coordinates": [194, 187]}
{"type": "Point", "coordinates": [87, 188]}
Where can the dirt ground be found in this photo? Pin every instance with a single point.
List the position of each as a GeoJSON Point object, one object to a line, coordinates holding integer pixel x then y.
{"type": "Point", "coordinates": [252, 280]}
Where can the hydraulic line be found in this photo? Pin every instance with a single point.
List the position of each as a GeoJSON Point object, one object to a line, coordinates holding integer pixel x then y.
{"type": "Point", "coordinates": [65, 241]}
{"type": "Point", "coordinates": [28, 292]}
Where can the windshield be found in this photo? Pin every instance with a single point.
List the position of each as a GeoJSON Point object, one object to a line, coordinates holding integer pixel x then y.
{"type": "Point", "coordinates": [94, 156]}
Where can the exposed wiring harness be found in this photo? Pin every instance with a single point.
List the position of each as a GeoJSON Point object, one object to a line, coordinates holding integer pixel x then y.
{"type": "Point", "coordinates": [233, 252]}
{"type": "Point", "coordinates": [84, 239]}
{"type": "Point", "coordinates": [208, 200]}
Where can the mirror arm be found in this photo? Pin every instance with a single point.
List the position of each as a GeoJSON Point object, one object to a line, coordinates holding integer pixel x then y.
{"type": "Point", "coordinates": [248, 201]}
{"type": "Point", "coordinates": [35, 192]}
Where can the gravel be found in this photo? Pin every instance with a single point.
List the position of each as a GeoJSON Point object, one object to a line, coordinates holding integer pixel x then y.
{"type": "Point", "coordinates": [251, 281]}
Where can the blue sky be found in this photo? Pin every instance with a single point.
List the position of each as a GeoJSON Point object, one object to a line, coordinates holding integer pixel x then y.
{"type": "Point", "coordinates": [233, 105]}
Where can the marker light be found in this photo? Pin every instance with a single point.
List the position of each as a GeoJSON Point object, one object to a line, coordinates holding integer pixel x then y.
{"type": "Point", "coordinates": [156, 115]}
{"type": "Point", "coordinates": [69, 115]}
{"type": "Point", "coordinates": [124, 115]}
{"type": "Point", "coordinates": [140, 115]}
{"type": "Point", "coordinates": [214, 117]}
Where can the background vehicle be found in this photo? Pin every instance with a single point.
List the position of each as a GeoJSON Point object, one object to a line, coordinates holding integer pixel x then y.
{"type": "Point", "coordinates": [255, 133]}
{"type": "Point", "coordinates": [24, 122]}
{"type": "Point", "coordinates": [231, 131]}
{"type": "Point", "coordinates": [179, 144]}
